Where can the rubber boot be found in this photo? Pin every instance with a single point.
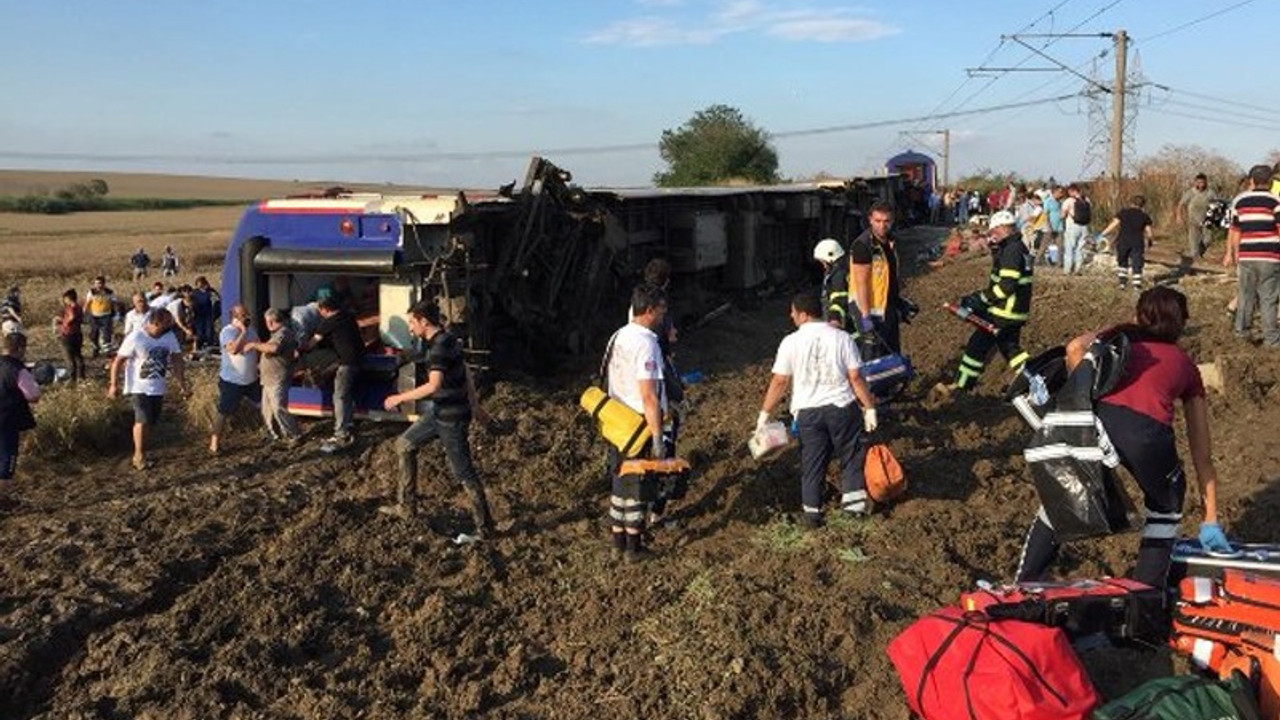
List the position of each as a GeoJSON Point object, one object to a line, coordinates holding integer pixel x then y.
{"type": "Point", "coordinates": [407, 491]}
{"type": "Point", "coordinates": [480, 511]}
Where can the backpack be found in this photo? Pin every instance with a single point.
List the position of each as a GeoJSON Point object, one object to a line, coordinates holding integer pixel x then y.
{"type": "Point", "coordinates": [1185, 697]}
{"type": "Point", "coordinates": [885, 479]}
{"type": "Point", "coordinates": [955, 665]}
{"type": "Point", "coordinates": [1081, 211]}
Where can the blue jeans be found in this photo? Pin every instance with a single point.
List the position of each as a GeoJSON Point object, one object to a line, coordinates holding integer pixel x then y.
{"type": "Point", "coordinates": [457, 452]}
{"type": "Point", "coordinates": [1073, 247]}
{"type": "Point", "coordinates": [8, 453]}
{"type": "Point", "coordinates": [344, 402]}
{"type": "Point", "coordinates": [203, 327]}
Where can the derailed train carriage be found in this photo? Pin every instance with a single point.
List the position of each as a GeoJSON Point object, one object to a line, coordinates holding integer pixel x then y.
{"type": "Point", "coordinates": [524, 275]}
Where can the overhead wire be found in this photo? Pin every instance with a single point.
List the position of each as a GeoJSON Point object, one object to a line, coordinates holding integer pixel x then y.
{"type": "Point", "coordinates": [427, 157]}
{"type": "Point", "coordinates": [1221, 100]}
{"type": "Point", "coordinates": [1197, 21]}
{"type": "Point", "coordinates": [1221, 120]}
{"type": "Point", "coordinates": [1047, 14]}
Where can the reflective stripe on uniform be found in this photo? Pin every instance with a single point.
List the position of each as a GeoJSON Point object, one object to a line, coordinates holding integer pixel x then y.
{"type": "Point", "coordinates": [1161, 526]}
{"type": "Point", "coordinates": [854, 501]}
{"type": "Point", "coordinates": [1018, 361]}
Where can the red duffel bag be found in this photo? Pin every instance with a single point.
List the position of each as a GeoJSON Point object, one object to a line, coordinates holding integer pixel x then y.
{"type": "Point", "coordinates": [964, 666]}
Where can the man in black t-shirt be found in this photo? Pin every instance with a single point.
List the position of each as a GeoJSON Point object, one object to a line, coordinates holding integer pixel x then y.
{"type": "Point", "coordinates": [1132, 241]}
{"type": "Point", "coordinates": [453, 402]}
{"type": "Point", "coordinates": [875, 301]}
{"type": "Point", "coordinates": [338, 327]}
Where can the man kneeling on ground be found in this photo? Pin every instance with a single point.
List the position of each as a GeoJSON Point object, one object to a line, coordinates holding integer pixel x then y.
{"type": "Point", "coordinates": [453, 402]}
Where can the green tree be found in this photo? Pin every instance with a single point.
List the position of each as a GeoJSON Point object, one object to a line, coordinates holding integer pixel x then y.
{"type": "Point", "coordinates": [717, 146]}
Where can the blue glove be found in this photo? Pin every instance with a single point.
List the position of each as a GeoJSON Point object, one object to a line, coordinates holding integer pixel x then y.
{"type": "Point", "coordinates": [1213, 539]}
{"type": "Point", "coordinates": [865, 324]}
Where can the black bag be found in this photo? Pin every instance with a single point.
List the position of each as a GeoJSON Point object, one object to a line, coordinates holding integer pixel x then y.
{"type": "Point", "coordinates": [1072, 460]}
{"type": "Point", "coordinates": [1081, 211]}
{"type": "Point", "coordinates": [1186, 697]}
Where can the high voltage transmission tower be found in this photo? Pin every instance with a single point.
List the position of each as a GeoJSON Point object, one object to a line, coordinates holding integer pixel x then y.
{"type": "Point", "coordinates": [1097, 154]}
{"type": "Point", "coordinates": [1123, 114]}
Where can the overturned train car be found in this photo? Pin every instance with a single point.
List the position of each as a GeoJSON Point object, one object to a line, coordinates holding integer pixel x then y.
{"type": "Point", "coordinates": [524, 275]}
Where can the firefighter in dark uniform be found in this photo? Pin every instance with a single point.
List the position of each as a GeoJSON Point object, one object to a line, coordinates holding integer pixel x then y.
{"type": "Point", "coordinates": [835, 283]}
{"type": "Point", "coordinates": [1006, 303]}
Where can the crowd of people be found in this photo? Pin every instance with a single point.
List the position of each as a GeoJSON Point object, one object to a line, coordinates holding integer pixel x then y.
{"type": "Point", "coordinates": [855, 317]}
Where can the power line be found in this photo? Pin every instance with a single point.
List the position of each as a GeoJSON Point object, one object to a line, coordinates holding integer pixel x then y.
{"type": "Point", "coordinates": [492, 154]}
{"type": "Point", "coordinates": [1097, 13]}
{"type": "Point", "coordinates": [1225, 112]}
{"type": "Point", "coordinates": [1221, 120]}
{"type": "Point", "coordinates": [1212, 98]}
{"type": "Point", "coordinates": [1046, 14]}
{"type": "Point", "coordinates": [1197, 21]}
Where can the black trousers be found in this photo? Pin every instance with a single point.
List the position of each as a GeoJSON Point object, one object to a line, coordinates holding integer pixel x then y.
{"type": "Point", "coordinates": [827, 431]}
{"type": "Point", "coordinates": [977, 352]}
{"type": "Point", "coordinates": [1131, 255]}
{"type": "Point", "coordinates": [1148, 451]}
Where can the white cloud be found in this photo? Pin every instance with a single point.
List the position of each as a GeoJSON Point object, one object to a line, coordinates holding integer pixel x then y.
{"type": "Point", "coordinates": [827, 28]}
{"type": "Point", "coordinates": [650, 31]}
{"type": "Point", "coordinates": [828, 25]}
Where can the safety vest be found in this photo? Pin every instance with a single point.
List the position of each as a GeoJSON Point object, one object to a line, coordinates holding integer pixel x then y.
{"type": "Point", "coordinates": [100, 303]}
{"type": "Point", "coordinates": [1008, 293]}
{"type": "Point", "coordinates": [882, 271]}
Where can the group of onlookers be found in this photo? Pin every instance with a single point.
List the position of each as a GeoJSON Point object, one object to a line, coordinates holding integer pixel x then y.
{"type": "Point", "coordinates": [140, 263]}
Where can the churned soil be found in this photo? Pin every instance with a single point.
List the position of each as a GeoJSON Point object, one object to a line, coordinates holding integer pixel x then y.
{"type": "Point", "coordinates": [264, 584]}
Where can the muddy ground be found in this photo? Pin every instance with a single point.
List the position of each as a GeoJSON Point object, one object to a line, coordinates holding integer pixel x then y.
{"type": "Point", "coordinates": [263, 584]}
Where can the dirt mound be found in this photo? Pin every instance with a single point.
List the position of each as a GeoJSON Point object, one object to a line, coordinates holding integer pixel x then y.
{"type": "Point", "coordinates": [264, 584]}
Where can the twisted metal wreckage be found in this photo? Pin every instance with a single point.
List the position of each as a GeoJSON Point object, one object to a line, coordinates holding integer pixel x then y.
{"type": "Point", "coordinates": [524, 274]}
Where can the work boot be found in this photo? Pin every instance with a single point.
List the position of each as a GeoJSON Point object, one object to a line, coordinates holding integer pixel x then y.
{"type": "Point", "coordinates": [406, 491]}
{"type": "Point", "coordinates": [810, 521]}
{"type": "Point", "coordinates": [480, 511]}
{"type": "Point", "coordinates": [635, 551]}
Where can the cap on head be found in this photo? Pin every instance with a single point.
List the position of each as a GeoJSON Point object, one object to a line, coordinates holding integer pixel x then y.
{"type": "Point", "coordinates": [1002, 217]}
{"type": "Point", "coordinates": [828, 250]}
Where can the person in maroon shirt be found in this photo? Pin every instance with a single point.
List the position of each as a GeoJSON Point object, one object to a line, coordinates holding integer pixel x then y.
{"type": "Point", "coordinates": [71, 334]}
{"type": "Point", "coordinates": [1138, 418]}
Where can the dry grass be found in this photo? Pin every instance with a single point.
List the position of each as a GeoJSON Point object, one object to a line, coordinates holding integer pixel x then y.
{"type": "Point", "coordinates": [79, 420]}
{"type": "Point", "coordinates": [21, 182]}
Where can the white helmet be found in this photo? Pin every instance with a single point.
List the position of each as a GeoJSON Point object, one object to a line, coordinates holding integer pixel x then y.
{"type": "Point", "coordinates": [1003, 217]}
{"type": "Point", "coordinates": [828, 250]}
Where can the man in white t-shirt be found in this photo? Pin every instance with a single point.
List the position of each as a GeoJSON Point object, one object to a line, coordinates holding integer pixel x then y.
{"type": "Point", "coordinates": [150, 355]}
{"type": "Point", "coordinates": [819, 363]}
{"type": "Point", "coordinates": [238, 370]}
{"type": "Point", "coordinates": [633, 372]}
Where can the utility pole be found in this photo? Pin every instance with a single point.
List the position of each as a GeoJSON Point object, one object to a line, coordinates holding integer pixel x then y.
{"type": "Point", "coordinates": [1116, 168]}
{"type": "Point", "coordinates": [1117, 90]}
{"type": "Point", "coordinates": [946, 157]}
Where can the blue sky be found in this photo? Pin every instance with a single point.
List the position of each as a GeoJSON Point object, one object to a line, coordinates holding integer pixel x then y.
{"type": "Point", "coordinates": [459, 93]}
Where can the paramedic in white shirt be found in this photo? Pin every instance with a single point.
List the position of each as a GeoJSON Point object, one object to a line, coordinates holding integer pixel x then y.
{"type": "Point", "coordinates": [819, 363]}
{"type": "Point", "coordinates": [634, 378]}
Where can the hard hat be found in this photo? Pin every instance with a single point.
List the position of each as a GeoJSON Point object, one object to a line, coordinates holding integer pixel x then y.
{"type": "Point", "coordinates": [828, 250]}
{"type": "Point", "coordinates": [1003, 217]}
